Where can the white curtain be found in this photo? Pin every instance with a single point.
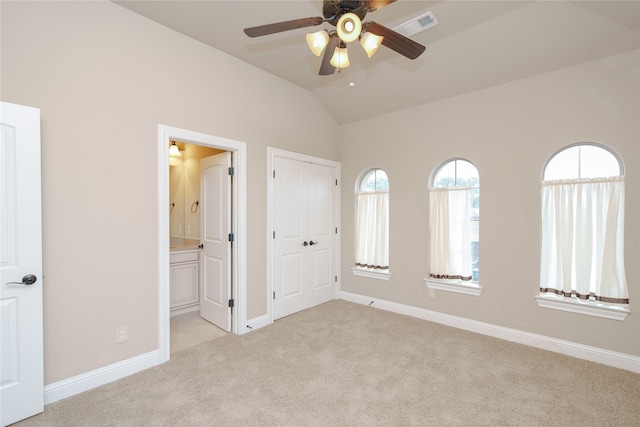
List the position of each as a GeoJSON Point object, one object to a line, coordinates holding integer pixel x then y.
{"type": "Point", "coordinates": [582, 251]}
{"type": "Point", "coordinates": [450, 228]}
{"type": "Point", "coordinates": [372, 230]}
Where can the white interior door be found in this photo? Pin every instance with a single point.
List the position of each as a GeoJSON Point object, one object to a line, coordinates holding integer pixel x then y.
{"type": "Point", "coordinates": [21, 349]}
{"type": "Point", "coordinates": [215, 229]}
{"type": "Point", "coordinates": [321, 186]}
{"type": "Point", "coordinates": [304, 239]}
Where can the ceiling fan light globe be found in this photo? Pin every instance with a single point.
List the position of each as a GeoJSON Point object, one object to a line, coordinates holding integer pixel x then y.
{"type": "Point", "coordinates": [340, 58]}
{"type": "Point", "coordinates": [349, 27]}
{"type": "Point", "coordinates": [370, 43]}
{"type": "Point", "coordinates": [317, 41]}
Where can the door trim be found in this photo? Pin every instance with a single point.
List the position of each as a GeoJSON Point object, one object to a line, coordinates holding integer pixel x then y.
{"type": "Point", "coordinates": [275, 152]}
{"type": "Point", "coordinates": [239, 225]}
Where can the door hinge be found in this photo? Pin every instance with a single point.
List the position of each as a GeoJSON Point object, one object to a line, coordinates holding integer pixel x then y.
{"type": "Point", "coordinates": [336, 230]}
{"type": "Point", "coordinates": [231, 237]}
{"type": "Point", "coordinates": [336, 279]}
{"type": "Point", "coordinates": [232, 171]}
{"type": "Point", "coordinates": [336, 182]}
{"type": "Point", "coordinates": [274, 295]}
{"type": "Point", "coordinates": [274, 173]}
{"type": "Point", "coordinates": [231, 303]}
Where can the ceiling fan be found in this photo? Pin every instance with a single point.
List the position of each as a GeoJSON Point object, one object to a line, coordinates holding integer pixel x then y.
{"type": "Point", "coordinates": [346, 16]}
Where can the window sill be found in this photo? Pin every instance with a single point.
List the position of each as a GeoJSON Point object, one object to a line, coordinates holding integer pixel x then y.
{"type": "Point", "coordinates": [372, 274]}
{"type": "Point", "coordinates": [589, 308]}
{"type": "Point", "coordinates": [468, 288]}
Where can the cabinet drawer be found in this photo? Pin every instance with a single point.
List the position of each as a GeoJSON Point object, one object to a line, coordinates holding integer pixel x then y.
{"type": "Point", "coordinates": [183, 256]}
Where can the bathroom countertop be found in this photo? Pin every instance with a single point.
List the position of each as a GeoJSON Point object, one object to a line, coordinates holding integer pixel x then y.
{"type": "Point", "coordinates": [180, 248]}
{"type": "Point", "coordinates": [184, 246]}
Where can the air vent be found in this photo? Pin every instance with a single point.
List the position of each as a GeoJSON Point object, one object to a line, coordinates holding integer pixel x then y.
{"type": "Point", "coordinates": [415, 25]}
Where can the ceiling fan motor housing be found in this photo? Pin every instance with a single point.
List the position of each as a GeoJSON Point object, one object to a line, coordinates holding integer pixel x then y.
{"type": "Point", "coordinates": [332, 10]}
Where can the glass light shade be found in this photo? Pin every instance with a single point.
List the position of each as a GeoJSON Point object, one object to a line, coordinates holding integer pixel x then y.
{"type": "Point", "coordinates": [370, 43]}
{"type": "Point", "coordinates": [349, 27]}
{"type": "Point", "coordinates": [340, 58]}
{"type": "Point", "coordinates": [174, 150]}
{"type": "Point", "coordinates": [317, 41]}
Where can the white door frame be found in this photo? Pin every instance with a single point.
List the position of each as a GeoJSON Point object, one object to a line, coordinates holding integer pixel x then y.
{"type": "Point", "coordinates": [275, 152]}
{"type": "Point", "coordinates": [239, 221]}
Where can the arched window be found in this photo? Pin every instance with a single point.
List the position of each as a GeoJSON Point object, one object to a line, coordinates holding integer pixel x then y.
{"type": "Point", "coordinates": [372, 223]}
{"type": "Point", "coordinates": [582, 247]}
{"type": "Point", "coordinates": [454, 224]}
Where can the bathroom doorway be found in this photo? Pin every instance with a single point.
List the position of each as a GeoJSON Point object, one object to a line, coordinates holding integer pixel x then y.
{"type": "Point", "coordinates": [196, 173]}
{"type": "Point", "coordinates": [179, 237]}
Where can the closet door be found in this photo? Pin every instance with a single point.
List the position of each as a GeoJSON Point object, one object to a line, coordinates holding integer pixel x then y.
{"type": "Point", "coordinates": [304, 235]}
{"type": "Point", "coordinates": [321, 231]}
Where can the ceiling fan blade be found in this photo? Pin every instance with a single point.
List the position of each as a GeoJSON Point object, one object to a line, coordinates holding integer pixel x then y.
{"type": "Point", "coordinates": [326, 69]}
{"type": "Point", "coordinates": [278, 27]}
{"type": "Point", "coordinates": [396, 41]}
{"type": "Point", "coordinates": [376, 4]}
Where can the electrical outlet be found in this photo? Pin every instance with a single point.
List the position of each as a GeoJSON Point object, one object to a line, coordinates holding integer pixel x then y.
{"type": "Point", "coordinates": [122, 334]}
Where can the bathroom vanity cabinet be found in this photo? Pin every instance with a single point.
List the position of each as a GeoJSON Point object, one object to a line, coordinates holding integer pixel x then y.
{"type": "Point", "coordinates": [184, 279]}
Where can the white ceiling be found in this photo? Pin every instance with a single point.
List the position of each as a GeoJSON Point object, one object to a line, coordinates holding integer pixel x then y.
{"type": "Point", "coordinates": [477, 44]}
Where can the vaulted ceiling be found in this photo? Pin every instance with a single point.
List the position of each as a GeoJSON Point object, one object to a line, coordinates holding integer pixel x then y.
{"type": "Point", "coordinates": [476, 44]}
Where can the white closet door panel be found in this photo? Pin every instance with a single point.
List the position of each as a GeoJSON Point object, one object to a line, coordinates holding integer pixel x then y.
{"type": "Point", "coordinates": [322, 187]}
{"type": "Point", "coordinates": [290, 212]}
{"type": "Point", "coordinates": [321, 184]}
{"type": "Point", "coordinates": [291, 275]}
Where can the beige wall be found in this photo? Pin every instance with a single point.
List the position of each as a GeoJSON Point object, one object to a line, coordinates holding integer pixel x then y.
{"type": "Point", "coordinates": [507, 132]}
{"type": "Point", "coordinates": [104, 79]}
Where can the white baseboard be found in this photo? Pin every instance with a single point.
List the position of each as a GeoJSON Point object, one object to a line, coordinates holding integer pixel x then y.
{"type": "Point", "coordinates": [255, 323]}
{"type": "Point", "coordinates": [580, 351]}
{"type": "Point", "coordinates": [87, 381]}
{"type": "Point", "coordinates": [184, 310]}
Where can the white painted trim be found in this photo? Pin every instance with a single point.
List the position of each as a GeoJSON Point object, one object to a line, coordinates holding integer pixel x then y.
{"type": "Point", "coordinates": [588, 308]}
{"type": "Point", "coordinates": [88, 380]}
{"type": "Point", "coordinates": [372, 274]}
{"type": "Point", "coordinates": [239, 221]}
{"type": "Point", "coordinates": [258, 322]}
{"type": "Point", "coordinates": [580, 351]}
{"type": "Point", "coordinates": [185, 310]}
{"type": "Point", "coordinates": [454, 286]}
{"type": "Point", "coordinates": [275, 152]}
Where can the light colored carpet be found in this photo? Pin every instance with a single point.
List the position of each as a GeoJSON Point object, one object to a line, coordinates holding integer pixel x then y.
{"type": "Point", "coordinates": [342, 364]}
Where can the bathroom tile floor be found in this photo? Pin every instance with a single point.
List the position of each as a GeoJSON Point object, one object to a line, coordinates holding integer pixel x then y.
{"type": "Point", "coordinates": [189, 329]}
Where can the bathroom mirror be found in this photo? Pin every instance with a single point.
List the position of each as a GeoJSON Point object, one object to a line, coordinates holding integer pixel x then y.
{"type": "Point", "coordinates": [176, 201]}
{"type": "Point", "coordinates": [184, 193]}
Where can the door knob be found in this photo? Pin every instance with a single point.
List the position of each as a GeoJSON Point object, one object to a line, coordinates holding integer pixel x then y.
{"type": "Point", "coordinates": [311, 242]}
{"type": "Point", "coordinates": [305, 243]}
{"type": "Point", "coordinates": [29, 279]}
